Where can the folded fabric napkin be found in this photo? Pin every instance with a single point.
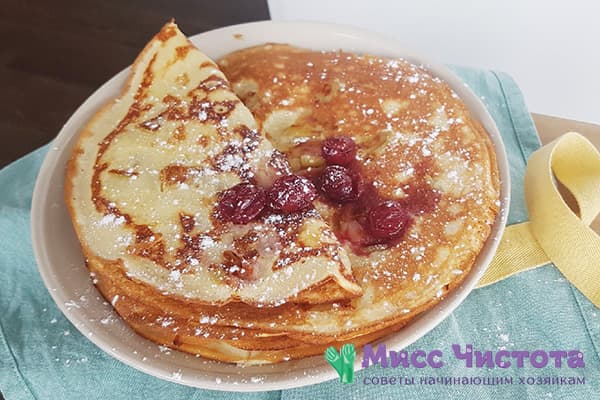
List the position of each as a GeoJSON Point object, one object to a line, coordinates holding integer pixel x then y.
{"type": "Point", "coordinates": [42, 356]}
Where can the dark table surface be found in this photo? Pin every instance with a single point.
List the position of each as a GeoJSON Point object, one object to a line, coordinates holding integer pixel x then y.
{"type": "Point", "coordinates": [54, 54]}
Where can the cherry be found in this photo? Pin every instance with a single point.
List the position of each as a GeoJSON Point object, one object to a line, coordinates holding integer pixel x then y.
{"type": "Point", "coordinates": [340, 184]}
{"type": "Point", "coordinates": [339, 150]}
{"type": "Point", "coordinates": [387, 220]}
{"type": "Point", "coordinates": [241, 203]}
{"type": "Point", "coordinates": [291, 193]}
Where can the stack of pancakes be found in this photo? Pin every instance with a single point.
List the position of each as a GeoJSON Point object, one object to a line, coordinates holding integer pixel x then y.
{"type": "Point", "coordinates": [149, 168]}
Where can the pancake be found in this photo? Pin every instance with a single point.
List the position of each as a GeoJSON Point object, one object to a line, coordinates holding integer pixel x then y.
{"type": "Point", "coordinates": [419, 153]}
{"type": "Point", "coordinates": [151, 168]}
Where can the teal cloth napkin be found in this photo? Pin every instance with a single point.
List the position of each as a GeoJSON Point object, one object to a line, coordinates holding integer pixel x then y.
{"type": "Point", "coordinates": [42, 356]}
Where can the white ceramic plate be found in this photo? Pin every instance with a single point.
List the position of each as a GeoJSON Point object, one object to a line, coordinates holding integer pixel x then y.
{"type": "Point", "coordinates": [61, 263]}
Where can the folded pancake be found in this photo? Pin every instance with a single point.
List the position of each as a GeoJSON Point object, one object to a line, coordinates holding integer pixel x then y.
{"type": "Point", "coordinates": [145, 176]}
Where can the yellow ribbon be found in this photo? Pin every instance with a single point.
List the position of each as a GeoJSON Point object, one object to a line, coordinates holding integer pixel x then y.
{"type": "Point", "coordinates": [555, 233]}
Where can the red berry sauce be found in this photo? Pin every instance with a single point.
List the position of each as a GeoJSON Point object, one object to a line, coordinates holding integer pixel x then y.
{"type": "Point", "coordinates": [365, 218]}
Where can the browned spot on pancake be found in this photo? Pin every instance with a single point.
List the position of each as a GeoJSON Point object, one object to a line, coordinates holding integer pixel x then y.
{"type": "Point", "coordinates": [200, 108]}
{"type": "Point", "coordinates": [210, 84]}
{"type": "Point", "coordinates": [214, 82]}
{"type": "Point", "coordinates": [240, 262]}
{"type": "Point", "coordinates": [247, 133]}
{"type": "Point", "coordinates": [209, 111]}
{"type": "Point", "coordinates": [203, 141]}
{"type": "Point", "coordinates": [371, 145]}
{"type": "Point", "coordinates": [250, 138]}
{"type": "Point", "coordinates": [346, 273]}
{"type": "Point", "coordinates": [123, 172]}
{"type": "Point", "coordinates": [187, 222]}
{"type": "Point", "coordinates": [152, 124]}
{"type": "Point", "coordinates": [234, 268]}
{"type": "Point", "coordinates": [182, 51]}
{"type": "Point", "coordinates": [173, 174]}
{"type": "Point", "coordinates": [170, 99]}
{"type": "Point", "coordinates": [166, 33]}
{"type": "Point", "coordinates": [176, 109]}
{"type": "Point", "coordinates": [290, 257]}
{"type": "Point", "coordinates": [177, 341]}
{"type": "Point", "coordinates": [233, 264]}
{"type": "Point", "coordinates": [149, 245]}
{"type": "Point", "coordinates": [101, 204]}
{"type": "Point", "coordinates": [176, 112]}
{"type": "Point", "coordinates": [245, 244]}
{"type": "Point", "coordinates": [178, 134]}
{"type": "Point", "coordinates": [191, 248]}
{"type": "Point", "coordinates": [207, 64]}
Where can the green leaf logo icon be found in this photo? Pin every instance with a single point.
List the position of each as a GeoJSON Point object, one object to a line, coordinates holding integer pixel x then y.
{"type": "Point", "coordinates": [342, 362]}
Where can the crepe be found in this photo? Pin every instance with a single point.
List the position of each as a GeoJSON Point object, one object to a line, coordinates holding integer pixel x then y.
{"type": "Point", "coordinates": [149, 169]}
{"type": "Point", "coordinates": [417, 147]}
